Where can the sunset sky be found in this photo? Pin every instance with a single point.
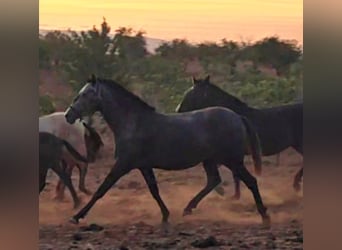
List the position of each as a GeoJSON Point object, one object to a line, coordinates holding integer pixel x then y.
{"type": "Point", "coordinates": [195, 20]}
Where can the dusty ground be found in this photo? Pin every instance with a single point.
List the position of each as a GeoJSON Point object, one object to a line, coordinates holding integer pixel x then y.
{"type": "Point", "coordinates": [130, 217]}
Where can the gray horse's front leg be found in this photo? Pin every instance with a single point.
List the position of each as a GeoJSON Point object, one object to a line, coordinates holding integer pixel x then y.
{"type": "Point", "coordinates": [151, 182]}
{"type": "Point", "coordinates": [119, 170]}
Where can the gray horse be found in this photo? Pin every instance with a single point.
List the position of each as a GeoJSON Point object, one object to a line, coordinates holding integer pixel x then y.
{"type": "Point", "coordinates": [146, 139]}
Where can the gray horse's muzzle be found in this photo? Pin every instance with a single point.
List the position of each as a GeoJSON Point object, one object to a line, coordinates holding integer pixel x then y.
{"type": "Point", "coordinates": [71, 115]}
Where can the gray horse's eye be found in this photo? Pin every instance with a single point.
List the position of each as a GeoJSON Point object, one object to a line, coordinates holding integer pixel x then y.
{"type": "Point", "coordinates": [75, 98]}
{"type": "Point", "coordinates": [86, 94]}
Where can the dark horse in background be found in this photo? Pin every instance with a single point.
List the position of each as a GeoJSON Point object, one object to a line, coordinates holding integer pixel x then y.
{"type": "Point", "coordinates": [278, 128]}
{"type": "Point", "coordinates": [51, 151]}
{"type": "Point", "coordinates": [146, 139]}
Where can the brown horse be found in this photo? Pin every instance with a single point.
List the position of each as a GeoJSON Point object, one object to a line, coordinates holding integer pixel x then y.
{"type": "Point", "coordinates": [82, 137]}
{"type": "Point", "coordinates": [51, 152]}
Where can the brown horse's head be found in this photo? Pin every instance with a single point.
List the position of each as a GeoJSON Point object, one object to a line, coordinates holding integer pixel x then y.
{"type": "Point", "coordinates": [93, 142]}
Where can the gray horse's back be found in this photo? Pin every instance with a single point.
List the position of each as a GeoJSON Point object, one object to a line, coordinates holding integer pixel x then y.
{"type": "Point", "coordinates": [208, 133]}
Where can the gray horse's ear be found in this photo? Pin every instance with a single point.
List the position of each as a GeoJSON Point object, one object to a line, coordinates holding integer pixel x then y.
{"type": "Point", "coordinates": [93, 78]}
{"type": "Point", "coordinates": [194, 80]}
{"type": "Point", "coordinates": [207, 79]}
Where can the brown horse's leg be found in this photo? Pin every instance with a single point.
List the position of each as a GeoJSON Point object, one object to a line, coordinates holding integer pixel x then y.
{"type": "Point", "coordinates": [251, 182]}
{"type": "Point", "coordinates": [213, 179]}
{"type": "Point", "coordinates": [42, 178]}
{"type": "Point", "coordinates": [114, 175]}
{"type": "Point", "coordinates": [65, 177]}
{"type": "Point", "coordinates": [60, 188]}
{"type": "Point", "coordinates": [297, 179]}
{"type": "Point", "coordinates": [60, 191]}
{"type": "Point", "coordinates": [299, 175]}
{"type": "Point", "coordinates": [83, 168]}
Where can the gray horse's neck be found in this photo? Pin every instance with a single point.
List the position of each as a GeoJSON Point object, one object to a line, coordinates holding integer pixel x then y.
{"type": "Point", "coordinates": [122, 116]}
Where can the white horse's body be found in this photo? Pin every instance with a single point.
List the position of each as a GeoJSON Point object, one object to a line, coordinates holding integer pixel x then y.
{"type": "Point", "coordinates": [56, 124]}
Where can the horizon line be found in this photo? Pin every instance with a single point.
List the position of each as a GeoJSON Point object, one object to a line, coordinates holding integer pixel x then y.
{"type": "Point", "coordinates": [242, 38]}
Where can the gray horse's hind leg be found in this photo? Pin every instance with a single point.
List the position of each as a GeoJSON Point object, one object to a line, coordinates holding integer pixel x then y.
{"type": "Point", "coordinates": [251, 182]}
{"type": "Point", "coordinates": [151, 182]}
{"type": "Point", "coordinates": [219, 189]}
{"type": "Point", "coordinates": [237, 194]}
{"type": "Point", "coordinates": [213, 179]}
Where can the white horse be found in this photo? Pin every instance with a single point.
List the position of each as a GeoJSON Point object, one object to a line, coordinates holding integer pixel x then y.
{"type": "Point", "coordinates": [74, 134]}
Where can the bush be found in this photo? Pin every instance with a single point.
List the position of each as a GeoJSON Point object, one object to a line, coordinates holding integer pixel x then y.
{"type": "Point", "coordinates": [46, 105]}
{"type": "Point", "coordinates": [161, 79]}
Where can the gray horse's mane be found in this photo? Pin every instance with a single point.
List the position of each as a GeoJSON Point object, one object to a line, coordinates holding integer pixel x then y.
{"type": "Point", "coordinates": [114, 86]}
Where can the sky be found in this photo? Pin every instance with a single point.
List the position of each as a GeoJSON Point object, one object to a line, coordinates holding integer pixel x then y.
{"type": "Point", "coordinates": [194, 20]}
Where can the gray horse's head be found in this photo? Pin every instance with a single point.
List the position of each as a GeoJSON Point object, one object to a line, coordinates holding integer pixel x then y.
{"type": "Point", "coordinates": [86, 103]}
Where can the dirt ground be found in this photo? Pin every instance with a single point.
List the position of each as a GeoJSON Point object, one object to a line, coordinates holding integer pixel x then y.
{"type": "Point", "coordinates": [127, 217]}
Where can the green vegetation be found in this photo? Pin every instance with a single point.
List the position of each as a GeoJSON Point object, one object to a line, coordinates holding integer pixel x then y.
{"type": "Point", "coordinates": [161, 78]}
{"type": "Point", "coordinates": [46, 105]}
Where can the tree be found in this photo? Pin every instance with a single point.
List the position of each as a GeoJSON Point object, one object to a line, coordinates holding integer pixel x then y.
{"type": "Point", "coordinates": [162, 78]}
{"type": "Point", "coordinates": [55, 47]}
{"type": "Point", "coordinates": [44, 54]}
{"type": "Point", "coordinates": [274, 52]}
{"type": "Point", "coordinates": [93, 53]}
{"type": "Point", "coordinates": [129, 49]}
{"type": "Point", "coordinates": [178, 49]}
{"type": "Point", "coordinates": [129, 44]}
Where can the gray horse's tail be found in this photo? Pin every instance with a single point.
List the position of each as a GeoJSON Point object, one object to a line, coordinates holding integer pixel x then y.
{"type": "Point", "coordinates": [73, 152]}
{"type": "Point", "coordinates": [254, 144]}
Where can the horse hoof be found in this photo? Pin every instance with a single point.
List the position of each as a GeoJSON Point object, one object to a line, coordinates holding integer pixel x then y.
{"type": "Point", "coordinates": [73, 220]}
{"type": "Point", "coordinates": [220, 190]}
{"type": "Point", "coordinates": [187, 212]}
{"type": "Point", "coordinates": [266, 221]}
